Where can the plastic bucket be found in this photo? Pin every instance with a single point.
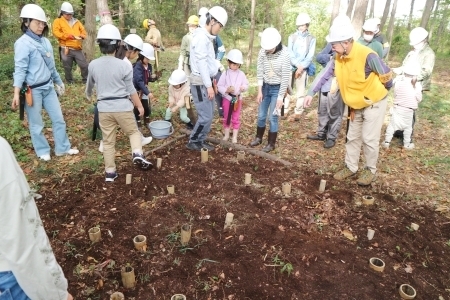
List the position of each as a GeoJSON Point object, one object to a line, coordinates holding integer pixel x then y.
{"type": "Point", "coordinates": [160, 129]}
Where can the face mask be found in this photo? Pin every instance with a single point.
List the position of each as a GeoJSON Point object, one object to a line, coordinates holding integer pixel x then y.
{"type": "Point", "coordinates": [368, 37]}
{"type": "Point", "coordinates": [419, 46]}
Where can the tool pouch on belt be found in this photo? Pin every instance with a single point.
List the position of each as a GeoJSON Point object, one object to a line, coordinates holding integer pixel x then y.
{"type": "Point", "coordinates": [24, 96]}
{"type": "Point", "coordinates": [187, 101]}
{"type": "Point", "coordinates": [235, 102]}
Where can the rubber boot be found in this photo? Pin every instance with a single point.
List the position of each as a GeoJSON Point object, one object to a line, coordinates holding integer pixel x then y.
{"type": "Point", "coordinates": [234, 138]}
{"type": "Point", "coordinates": [271, 142]}
{"type": "Point", "coordinates": [259, 135]}
{"type": "Point", "coordinates": [226, 134]}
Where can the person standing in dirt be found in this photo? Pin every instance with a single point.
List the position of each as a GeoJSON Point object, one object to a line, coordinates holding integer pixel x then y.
{"type": "Point", "coordinates": [204, 69]}
{"type": "Point", "coordinates": [70, 32]}
{"type": "Point", "coordinates": [364, 81]}
{"type": "Point", "coordinates": [183, 60]}
{"type": "Point", "coordinates": [28, 267]}
{"type": "Point", "coordinates": [301, 45]}
{"type": "Point", "coordinates": [273, 74]}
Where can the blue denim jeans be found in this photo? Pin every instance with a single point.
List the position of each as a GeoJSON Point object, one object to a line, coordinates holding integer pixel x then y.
{"type": "Point", "coordinates": [267, 106]}
{"type": "Point", "coordinates": [45, 97]}
{"type": "Point", "coordinates": [9, 287]}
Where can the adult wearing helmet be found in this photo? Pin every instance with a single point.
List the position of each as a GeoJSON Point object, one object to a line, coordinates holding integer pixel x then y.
{"type": "Point", "coordinates": [381, 37]}
{"type": "Point", "coordinates": [301, 45]}
{"type": "Point", "coordinates": [178, 91]}
{"type": "Point", "coordinates": [204, 68]}
{"type": "Point", "coordinates": [28, 267]}
{"type": "Point", "coordinates": [367, 39]}
{"type": "Point", "coordinates": [273, 73]}
{"type": "Point", "coordinates": [70, 32]}
{"type": "Point", "coordinates": [364, 80]}
{"type": "Point", "coordinates": [113, 80]}
{"type": "Point", "coordinates": [153, 37]}
{"type": "Point", "coordinates": [35, 69]}
{"type": "Point", "coordinates": [183, 60]}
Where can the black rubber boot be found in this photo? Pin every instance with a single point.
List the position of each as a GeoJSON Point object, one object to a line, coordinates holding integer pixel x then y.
{"type": "Point", "coordinates": [271, 142]}
{"type": "Point", "coordinates": [259, 135]}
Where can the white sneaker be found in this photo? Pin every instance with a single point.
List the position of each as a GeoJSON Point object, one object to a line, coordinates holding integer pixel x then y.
{"type": "Point", "coordinates": [100, 147]}
{"type": "Point", "coordinates": [45, 157]}
{"type": "Point", "coordinates": [409, 147]}
{"type": "Point", "coordinates": [385, 145]}
{"type": "Point", "coordinates": [70, 152]}
{"type": "Point", "coordinates": [146, 140]}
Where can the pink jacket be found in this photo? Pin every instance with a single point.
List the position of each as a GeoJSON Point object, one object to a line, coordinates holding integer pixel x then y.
{"type": "Point", "coordinates": [234, 78]}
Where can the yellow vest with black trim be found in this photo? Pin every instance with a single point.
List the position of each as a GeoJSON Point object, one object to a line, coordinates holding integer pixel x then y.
{"type": "Point", "coordinates": [358, 91]}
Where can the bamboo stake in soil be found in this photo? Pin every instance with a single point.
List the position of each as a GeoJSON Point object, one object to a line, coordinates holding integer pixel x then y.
{"type": "Point", "coordinates": [165, 144]}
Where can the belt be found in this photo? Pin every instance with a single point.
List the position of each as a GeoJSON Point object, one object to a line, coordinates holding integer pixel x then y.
{"type": "Point", "coordinates": [40, 84]}
{"type": "Point", "coordinates": [404, 107]}
{"type": "Point", "coordinates": [272, 84]}
{"type": "Point", "coordinates": [112, 98]}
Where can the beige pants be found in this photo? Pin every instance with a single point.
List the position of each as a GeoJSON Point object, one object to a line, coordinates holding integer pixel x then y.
{"type": "Point", "coordinates": [108, 124]}
{"type": "Point", "coordinates": [300, 91]}
{"type": "Point", "coordinates": [365, 130]}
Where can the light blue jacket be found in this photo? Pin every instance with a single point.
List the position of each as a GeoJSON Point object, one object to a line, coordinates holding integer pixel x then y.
{"type": "Point", "coordinates": [202, 56]}
{"type": "Point", "coordinates": [33, 60]}
{"type": "Point", "coordinates": [298, 50]}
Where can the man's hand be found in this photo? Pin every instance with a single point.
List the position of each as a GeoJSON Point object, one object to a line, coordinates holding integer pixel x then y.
{"type": "Point", "coordinates": [15, 101]}
{"type": "Point", "coordinates": [298, 72]}
{"type": "Point", "coordinates": [211, 93]}
{"type": "Point", "coordinates": [259, 97]}
{"type": "Point", "coordinates": [307, 101]}
{"type": "Point", "coordinates": [69, 297]}
{"type": "Point", "coordinates": [141, 111]}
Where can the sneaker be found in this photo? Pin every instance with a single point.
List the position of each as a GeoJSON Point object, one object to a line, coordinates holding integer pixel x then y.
{"type": "Point", "coordinates": [146, 140]}
{"type": "Point", "coordinates": [45, 157]}
{"type": "Point", "coordinates": [139, 160]}
{"type": "Point", "coordinates": [316, 137]}
{"type": "Point", "coordinates": [344, 173]}
{"type": "Point", "coordinates": [70, 152]}
{"type": "Point", "coordinates": [409, 147]}
{"type": "Point", "coordinates": [100, 147]}
{"type": "Point", "coordinates": [195, 146]}
{"type": "Point", "coordinates": [110, 177]}
{"type": "Point", "coordinates": [189, 126]}
{"type": "Point", "coordinates": [329, 144]}
{"type": "Point", "coordinates": [366, 177]}
{"type": "Point", "coordinates": [386, 145]}
{"type": "Point", "coordinates": [207, 146]}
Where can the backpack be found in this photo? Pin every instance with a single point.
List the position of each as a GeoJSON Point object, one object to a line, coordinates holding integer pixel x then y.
{"type": "Point", "coordinates": [311, 70]}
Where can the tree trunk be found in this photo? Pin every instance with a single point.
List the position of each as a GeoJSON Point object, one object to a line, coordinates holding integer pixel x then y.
{"type": "Point", "coordinates": [89, 19]}
{"type": "Point", "coordinates": [359, 16]}
{"type": "Point", "coordinates": [387, 8]}
{"type": "Point", "coordinates": [427, 13]}
{"type": "Point", "coordinates": [103, 12]}
{"type": "Point", "coordinates": [434, 19]}
{"type": "Point", "coordinates": [411, 15]}
{"type": "Point", "coordinates": [252, 35]}
{"type": "Point", "coordinates": [335, 11]}
{"type": "Point", "coordinates": [121, 19]}
{"type": "Point", "coordinates": [442, 28]}
{"type": "Point", "coordinates": [372, 9]}
{"type": "Point", "coordinates": [391, 25]}
{"type": "Point", "coordinates": [351, 3]}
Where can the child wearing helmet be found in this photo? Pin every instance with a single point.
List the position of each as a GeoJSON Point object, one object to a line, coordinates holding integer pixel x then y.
{"type": "Point", "coordinates": [231, 85]}
{"type": "Point", "coordinates": [178, 91]}
{"type": "Point", "coordinates": [407, 95]}
{"type": "Point", "coordinates": [183, 60]}
{"type": "Point", "coordinates": [113, 80]}
{"type": "Point", "coordinates": [142, 75]}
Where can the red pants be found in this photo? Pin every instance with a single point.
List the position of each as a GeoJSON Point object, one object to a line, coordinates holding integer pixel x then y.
{"type": "Point", "coordinates": [235, 121]}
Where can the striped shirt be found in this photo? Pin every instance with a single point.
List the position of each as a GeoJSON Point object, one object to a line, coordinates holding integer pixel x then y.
{"type": "Point", "coordinates": [274, 69]}
{"type": "Point", "coordinates": [405, 95]}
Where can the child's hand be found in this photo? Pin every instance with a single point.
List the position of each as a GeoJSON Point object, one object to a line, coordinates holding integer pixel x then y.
{"type": "Point", "coordinates": [151, 97]}
{"type": "Point", "coordinates": [242, 88]}
{"type": "Point", "coordinates": [174, 109]}
{"type": "Point", "coordinates": [230, 89]}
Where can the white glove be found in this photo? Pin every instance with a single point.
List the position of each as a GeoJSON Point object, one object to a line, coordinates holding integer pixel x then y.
{"type": "Point", "coordinates": [60, 89]}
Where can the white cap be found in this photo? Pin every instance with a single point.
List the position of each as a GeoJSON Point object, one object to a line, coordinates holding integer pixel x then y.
{"type": "Point", "coordinates": [33, 11]}
{"type": "Point", "coordinates": [177, 77]}
{"type": "Point", "coordinates": [220, 14]}
{"type": "Point", "coordinates": [417, 35]}
{"type": "Point", "coordinates": [108, 32]}
{"type": "Point", "coordinates": [134, 41]}
{"type": "Point", "coordinates": [302, 19]}
{"type": "Point", "coordinates": [370, 25]}
{"type": "Point", "coordinates": [148, 51]}
{"type": "Point", "coordinates": [340, 32]}
{"type": "Point", "coordinates": [235, 56]}
{"type": "Point", "coordinates": [270, 38]}
{"type": "Point", "coordinates": [67, 7]}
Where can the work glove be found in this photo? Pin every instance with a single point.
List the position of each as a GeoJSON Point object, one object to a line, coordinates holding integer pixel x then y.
{"type": "Point", "coordinates": [60, 89]}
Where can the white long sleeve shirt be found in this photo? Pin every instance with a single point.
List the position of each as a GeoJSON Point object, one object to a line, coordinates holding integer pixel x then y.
{"type": "Point", "coordinates": [24, 246]}
{"type": "Point", "coordinates": [202, 57]}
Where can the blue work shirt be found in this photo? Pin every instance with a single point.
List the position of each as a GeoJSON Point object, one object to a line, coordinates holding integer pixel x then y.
{"type": "Point", "coordinates": [301, 53]}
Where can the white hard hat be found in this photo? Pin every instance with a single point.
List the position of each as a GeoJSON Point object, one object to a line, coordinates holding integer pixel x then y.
{"type": "Point", "coordinates": [67, 7]}
{"type": "Point", "coordinates": [270, 38]}
{"type": "Point", "coordinates": [412, 68]}
{"type": "Point", "coordinates": [341, 19]}
{"type": "Point", "coordinates": [177, 77]}
{"type": "Point", "coordinates": [148, 51]}
{"type": "Point", "coordinates": [134, 41]}
{"type": "Point", "coordinates": [202, 11]}
{"type": "Point", "coordinates": [377, 21]}
{"type": "Point", "coordinates": [370, 25]}
{"type": "Point", "coordinates": [417, 35]}
{"type": "Point", "coordinates": [220, 14]}
{"type": "Point", "coordinates": [33, 11]}
{"type": "Point", "coordinates": [235, 56]}
{"type": "Point", "coordinates": [340, 32]}
{"type": "Point", "coordinates": [108, 32]}
{"type": "Point", "coordinates": [302, 19]}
